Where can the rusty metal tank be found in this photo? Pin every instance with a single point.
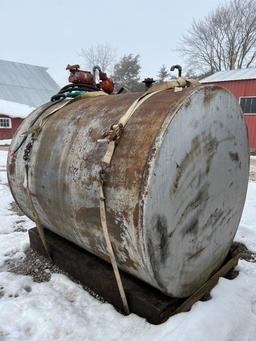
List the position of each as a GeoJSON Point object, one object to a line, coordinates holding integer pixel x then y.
{"type": "Point", "coordinates": [174, 193]}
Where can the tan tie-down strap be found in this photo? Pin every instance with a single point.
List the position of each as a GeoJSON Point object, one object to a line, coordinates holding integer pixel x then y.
{"type": "Point", "coordinates": [39, 226]}
{"type": "Point", "coordinates": [111, 136]}
{"type": "Point", "coordinates": [34, 132]}
{"type": "Point", "coordinates": [115, 131]}
{"type": "Point", "coordinates": [180, 82]}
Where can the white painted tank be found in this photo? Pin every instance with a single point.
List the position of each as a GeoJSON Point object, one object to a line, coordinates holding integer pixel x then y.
{"type": "Point", "coordinates": [175, 191]}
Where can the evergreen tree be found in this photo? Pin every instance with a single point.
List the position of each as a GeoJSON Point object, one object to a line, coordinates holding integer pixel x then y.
{"type": "Point", "coordinates": [163, 74]}
{"type": "Point", "coordinates": [126, 73]}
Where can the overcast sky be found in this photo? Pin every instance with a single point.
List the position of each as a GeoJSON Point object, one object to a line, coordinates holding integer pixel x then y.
{"type": "Point", "coordinates": [52, 32]}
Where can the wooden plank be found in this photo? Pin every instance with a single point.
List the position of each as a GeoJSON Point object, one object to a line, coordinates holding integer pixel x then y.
{"type": "Point", "coordinates": [185, 306]}
{"type": "Point", "coordinates": [97, 275]}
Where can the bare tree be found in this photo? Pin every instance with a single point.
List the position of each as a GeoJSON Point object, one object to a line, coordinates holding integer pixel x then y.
{"type": "Point", "coordinates": [223, 40]}
{"type": "Point", "coordinates": [102, 54]}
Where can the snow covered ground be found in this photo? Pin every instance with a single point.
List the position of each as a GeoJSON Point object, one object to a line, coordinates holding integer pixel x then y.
{"type": "Point", "coordinates": [61, 310]}
{"type": "Point", "coordinates": [5, 142]}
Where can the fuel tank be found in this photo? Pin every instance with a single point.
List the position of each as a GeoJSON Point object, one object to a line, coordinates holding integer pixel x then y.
{"type": "Point", "coordinates": [175, 190]}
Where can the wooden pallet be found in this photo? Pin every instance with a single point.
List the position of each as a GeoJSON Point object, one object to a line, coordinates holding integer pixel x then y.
{"type": "Point", "coordinates": [97, 275]}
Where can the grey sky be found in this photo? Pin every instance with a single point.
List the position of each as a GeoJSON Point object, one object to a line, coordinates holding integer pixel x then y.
{"type": "Point", "coordinates": [52, 32]}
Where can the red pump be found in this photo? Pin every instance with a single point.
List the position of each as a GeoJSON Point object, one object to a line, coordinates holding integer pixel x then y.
{"type": "Point", "coordinates": [106, 83]}
{"type": "Point", "coordinates": [78, 76]}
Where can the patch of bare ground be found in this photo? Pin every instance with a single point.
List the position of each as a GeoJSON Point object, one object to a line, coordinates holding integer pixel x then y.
{"type": "Point", "coordinates": [244, 253]}
{"type": "Point", "coordinates": [15, 208]}
{"type": "Point", "coordinates": [40, 269]}
{"type": "Point", "coordinates": [34, 265]}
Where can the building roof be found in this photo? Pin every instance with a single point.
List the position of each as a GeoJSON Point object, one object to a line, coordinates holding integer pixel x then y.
{"type": "Point", "coordinates": [231, 75]}
{"type": "Point", "coordinates": [25, 83]}
{"type": "Point", "coordinates": [13, 109]}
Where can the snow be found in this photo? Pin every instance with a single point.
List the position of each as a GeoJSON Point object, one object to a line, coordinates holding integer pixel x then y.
{"type": "Point", "coordinates": [13, 243]}
{"type": "Point", "coordinates": [14, 109]}
{"type": "Point", "coordinates": [5, 142]}
{"type": "Point", "coordinates": [246, 233]}
{"type": "Point", "coordinates": [61, 310]}
{"type": "Point", "coordinates": [3, 175]}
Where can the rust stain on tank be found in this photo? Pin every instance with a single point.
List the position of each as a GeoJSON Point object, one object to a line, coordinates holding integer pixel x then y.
{"type": "Point", "coordinates": [195, 145]}
{"type": "Point", "coordinates": [187, 102]}
{"type": "Point", "coordinates": [116, 230]}
{"type": "Point", "coordinates": [196, 254]}
{"type": "Point", "coordinates": [195, 205]}
{"type": "Point", "coordinates": [12, 166]}
{"type": "Point", "coordinates": [161, 230]}
{"type": "Point", "coordinates": [123, 160]}
{"type": "Point", "coordinates": [88, 218]}
{"type": "Point", "coordinates": [158, 243]}
{"type": "Point", "coordinates": [64, 187]}
{"type": "Point", "coordinates": [210, 149]}
{"type": "Point", "coordinates": [191, 227]}
{"type": "Point", "coordinates": [88, 214]}
{"type": "Point", "coordinates": [154, 261]}
{"type": "Point", "coordinates": [127, 262]}
{"type": "Point", "coordinates": [136, 214]}
{"type": "Point", "coordinates": [94, 134]}
{"type": "Point", "coordinates": [234, 156]}
{"type": "Point", "coordinates": [114, 225]}
{"type": "Point", "coordinates": [201, 144]}
{"type": "Point", "coordinates": [209, 92]}
{"type": "Point", "coordinates": [178, 176]}
{"type": "Point", "coordinates": [214, 218]}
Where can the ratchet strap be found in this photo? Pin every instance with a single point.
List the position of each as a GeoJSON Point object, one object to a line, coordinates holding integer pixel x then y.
{"type": "Point", "coordinates": [34, 131]}
{"type": "Point", "coordinates": [39, 227]}
{"type": "Point", "coordinates": [111, 136]}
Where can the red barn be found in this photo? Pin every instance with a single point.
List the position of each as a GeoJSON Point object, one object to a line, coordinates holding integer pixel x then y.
{"type": "Point", "coordinates": [22, 88]}
{"type": "Point", "coordinates": [242, 83]}
{"type": "Point", "coordinates": [8, 126]}
{"type": "Point", "coordinates": [11, 116]}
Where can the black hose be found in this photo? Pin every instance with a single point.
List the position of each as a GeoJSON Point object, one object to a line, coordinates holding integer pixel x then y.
{"type": "Point", "coordinates": [60, 96]}
{"type": "Point", "coordinates": [73, 87]}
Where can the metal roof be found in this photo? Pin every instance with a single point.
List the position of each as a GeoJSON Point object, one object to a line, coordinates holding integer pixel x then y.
{"type": "Point", "coordinates": [25, 83]}
{"type": "Point", "coordinates": [231, 75]}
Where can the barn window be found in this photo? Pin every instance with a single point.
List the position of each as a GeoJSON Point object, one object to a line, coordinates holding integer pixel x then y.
{"type": "Point", "coordinates": [5, 122]}
{"type": "Point", "coordinates": [248, 105]}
